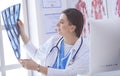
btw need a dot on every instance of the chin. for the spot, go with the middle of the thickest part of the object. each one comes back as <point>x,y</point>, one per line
<point>60,33</point>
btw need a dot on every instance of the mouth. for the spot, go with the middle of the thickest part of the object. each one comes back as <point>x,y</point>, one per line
<point>57,29</point>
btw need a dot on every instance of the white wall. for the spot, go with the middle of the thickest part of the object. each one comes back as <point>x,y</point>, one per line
<point>33,24</point>
<point>36,22</point>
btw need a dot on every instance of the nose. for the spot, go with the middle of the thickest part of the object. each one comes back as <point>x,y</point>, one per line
<point>58,24</point>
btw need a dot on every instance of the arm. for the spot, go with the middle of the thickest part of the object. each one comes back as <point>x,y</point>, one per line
<point>22,32</point>
<point>80,66</point>
<point>71,70</point>
<point>28,63</point>
<point>30,48</point>
<point>31,65</point>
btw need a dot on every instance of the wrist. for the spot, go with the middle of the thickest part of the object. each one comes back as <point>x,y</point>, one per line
<point>24,38</point>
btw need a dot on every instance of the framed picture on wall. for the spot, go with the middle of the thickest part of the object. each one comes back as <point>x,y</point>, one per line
<point>51,3</point>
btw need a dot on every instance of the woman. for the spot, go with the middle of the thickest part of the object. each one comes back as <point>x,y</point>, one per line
<point>65,54</point>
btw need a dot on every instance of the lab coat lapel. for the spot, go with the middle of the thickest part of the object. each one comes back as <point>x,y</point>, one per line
<point>52,56</point>
<point>74,50</point>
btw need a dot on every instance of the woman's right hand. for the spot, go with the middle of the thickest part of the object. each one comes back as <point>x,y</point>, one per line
<point>21,27</point>
<point>22,32</point>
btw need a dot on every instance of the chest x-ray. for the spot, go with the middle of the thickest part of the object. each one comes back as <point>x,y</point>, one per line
<point>10,17</point>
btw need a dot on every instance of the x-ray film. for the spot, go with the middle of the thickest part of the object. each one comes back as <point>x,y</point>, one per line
<point>10,17</point>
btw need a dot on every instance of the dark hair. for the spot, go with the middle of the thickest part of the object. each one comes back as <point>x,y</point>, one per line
<point>75,17</point>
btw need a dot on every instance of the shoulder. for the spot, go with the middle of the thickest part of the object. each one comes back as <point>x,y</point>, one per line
<point>82,45</point>
<point>50,43</point>
<point>85,44</point>
<point>84,48</point>
<point>83,53</point>
<point>52,40</point>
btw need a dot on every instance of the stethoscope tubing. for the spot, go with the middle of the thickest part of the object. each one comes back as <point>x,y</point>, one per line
<point>78,49</point>
<point>56,46</point>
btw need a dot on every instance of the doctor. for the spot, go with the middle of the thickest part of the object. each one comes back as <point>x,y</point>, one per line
<point>65,54</point>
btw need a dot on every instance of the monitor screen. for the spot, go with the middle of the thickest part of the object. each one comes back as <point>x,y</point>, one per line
<point>104,45</point>
<point>10,16</point>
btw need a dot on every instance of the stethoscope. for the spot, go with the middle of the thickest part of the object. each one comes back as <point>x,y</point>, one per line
<point>73,58</point>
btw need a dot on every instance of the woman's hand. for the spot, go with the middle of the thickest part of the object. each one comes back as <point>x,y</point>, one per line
<point>32,65</point>
<point>22,32</point>
<point>21,27</point>
<point>28,64</point>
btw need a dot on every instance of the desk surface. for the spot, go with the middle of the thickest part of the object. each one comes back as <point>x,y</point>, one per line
<point>111,73</point>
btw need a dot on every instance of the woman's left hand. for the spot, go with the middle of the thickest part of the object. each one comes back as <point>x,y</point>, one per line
<point>28,64</point>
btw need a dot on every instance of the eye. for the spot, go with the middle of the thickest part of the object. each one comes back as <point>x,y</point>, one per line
<point>61,22</point>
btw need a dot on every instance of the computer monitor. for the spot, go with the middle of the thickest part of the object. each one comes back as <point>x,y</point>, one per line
<point>104,45</point>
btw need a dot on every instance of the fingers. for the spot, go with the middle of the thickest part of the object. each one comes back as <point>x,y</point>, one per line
<point>20,24</point>
<point>21,27</point>
<point>28,64</point>
<point>23,62</point>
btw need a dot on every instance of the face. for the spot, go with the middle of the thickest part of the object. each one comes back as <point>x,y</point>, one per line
<point>64,28</point>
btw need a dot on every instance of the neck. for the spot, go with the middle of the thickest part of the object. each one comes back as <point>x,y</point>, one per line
<point>70,40</point>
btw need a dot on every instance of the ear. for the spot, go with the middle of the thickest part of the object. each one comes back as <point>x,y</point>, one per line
<point>72,28</point>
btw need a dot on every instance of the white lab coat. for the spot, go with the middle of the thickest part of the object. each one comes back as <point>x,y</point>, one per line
<point>79,66</point>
